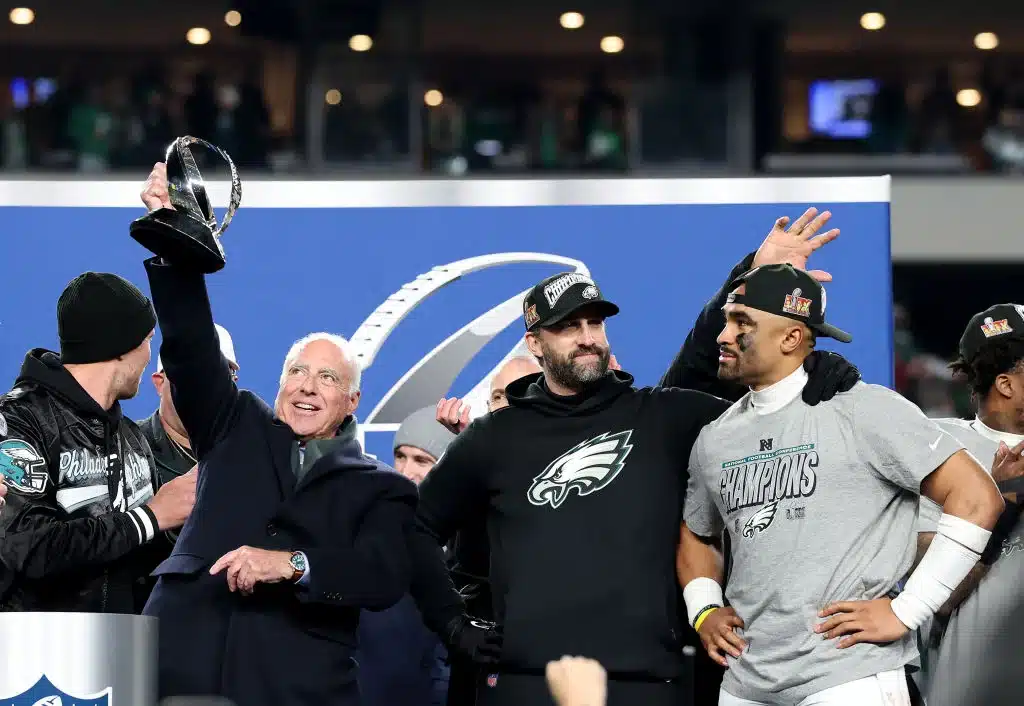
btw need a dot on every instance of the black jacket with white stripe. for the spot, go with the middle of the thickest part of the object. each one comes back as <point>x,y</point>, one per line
<point>78,477</point>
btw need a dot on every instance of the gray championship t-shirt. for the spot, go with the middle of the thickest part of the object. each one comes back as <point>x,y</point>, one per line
<point>820,504</point>
<point>966,641</point>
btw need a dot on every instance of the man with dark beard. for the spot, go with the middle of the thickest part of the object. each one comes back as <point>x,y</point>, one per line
<point>581,481</point>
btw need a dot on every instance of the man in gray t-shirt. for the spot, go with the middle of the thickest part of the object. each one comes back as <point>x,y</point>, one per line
<point>991,357</point>
<point>820,504</point>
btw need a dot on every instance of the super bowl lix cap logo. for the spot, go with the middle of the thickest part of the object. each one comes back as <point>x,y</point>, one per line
<point>531,315</point>
<point>796,304</point>
<point>995,328</point>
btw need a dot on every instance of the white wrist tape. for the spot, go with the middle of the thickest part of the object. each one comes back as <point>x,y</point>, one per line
<point>699,594</point>
<point>954,551</point>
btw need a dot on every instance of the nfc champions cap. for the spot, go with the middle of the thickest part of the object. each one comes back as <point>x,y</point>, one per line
<point>559,296</point>
<point>786,291</point>
<point>1002,322</point>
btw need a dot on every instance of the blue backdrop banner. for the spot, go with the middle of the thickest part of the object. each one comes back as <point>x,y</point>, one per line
<point>426,278</point>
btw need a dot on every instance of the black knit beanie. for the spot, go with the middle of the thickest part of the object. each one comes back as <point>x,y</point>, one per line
<point>100,317</point>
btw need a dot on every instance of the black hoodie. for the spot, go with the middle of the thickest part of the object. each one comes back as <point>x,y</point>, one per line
<point>78,478</point>
<point>585,496</point>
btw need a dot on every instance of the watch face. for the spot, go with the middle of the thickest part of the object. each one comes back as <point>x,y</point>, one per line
<point>299,562</point>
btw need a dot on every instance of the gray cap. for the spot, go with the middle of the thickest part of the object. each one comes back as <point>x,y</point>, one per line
<point>422,431</point>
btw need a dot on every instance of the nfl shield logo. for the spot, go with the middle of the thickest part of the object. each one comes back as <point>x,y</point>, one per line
<point>492,680</point>
<point>44,693</point>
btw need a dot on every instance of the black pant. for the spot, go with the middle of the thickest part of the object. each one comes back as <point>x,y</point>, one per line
<point>462,682</point>
<point>529,690</point>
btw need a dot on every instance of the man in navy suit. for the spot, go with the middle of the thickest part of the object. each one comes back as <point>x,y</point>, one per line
<point>294,529</point>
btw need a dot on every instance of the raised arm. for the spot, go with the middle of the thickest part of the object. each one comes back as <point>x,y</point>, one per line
<point>696,365</point>
<point>202,387</point>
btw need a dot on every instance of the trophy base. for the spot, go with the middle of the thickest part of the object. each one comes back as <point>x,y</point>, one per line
<point>179,239</point>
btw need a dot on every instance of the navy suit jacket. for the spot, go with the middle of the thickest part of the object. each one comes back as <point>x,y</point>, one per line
<point>284,644</point>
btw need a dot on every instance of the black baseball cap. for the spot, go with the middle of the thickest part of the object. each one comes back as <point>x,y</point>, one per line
<point>558,296</point>
<point>1002,322</point>
<point>786,291</point>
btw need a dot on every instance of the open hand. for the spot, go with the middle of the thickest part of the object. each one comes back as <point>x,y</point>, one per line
<point>718,633</point>
<point>248,566</point>
<point>795,244</point>
<point>861,621</point>
<point>453,414</point>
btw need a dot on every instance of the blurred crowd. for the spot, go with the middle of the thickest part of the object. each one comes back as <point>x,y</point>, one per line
<point>924,378</point>
<point>96,126</point>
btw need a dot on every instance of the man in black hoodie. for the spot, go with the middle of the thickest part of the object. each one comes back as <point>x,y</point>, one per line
<point>582,479</point>
<point>80,505</point>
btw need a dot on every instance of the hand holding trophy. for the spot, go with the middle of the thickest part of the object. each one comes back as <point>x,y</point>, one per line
<point>188,235</point>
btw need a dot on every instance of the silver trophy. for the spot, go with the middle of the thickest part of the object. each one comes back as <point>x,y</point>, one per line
<point>188,235</point>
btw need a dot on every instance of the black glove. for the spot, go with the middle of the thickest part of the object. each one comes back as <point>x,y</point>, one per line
<point>478,640</point>
<point>828,373</point>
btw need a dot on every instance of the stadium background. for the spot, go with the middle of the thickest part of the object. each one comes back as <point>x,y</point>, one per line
<point>931,93</point>
<point>334,91</point>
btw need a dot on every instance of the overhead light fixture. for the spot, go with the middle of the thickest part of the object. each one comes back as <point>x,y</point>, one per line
<point>433,98</point>
<point>332,97</point>
<point>986,41</point>
<point>198,35</point>
<point>232,18</point>
<point>571,20</point>
<point>360,42</point>
<point>968,97</point>
<point>22,16</point>
<point>872,21</point>
<point>612,44</point>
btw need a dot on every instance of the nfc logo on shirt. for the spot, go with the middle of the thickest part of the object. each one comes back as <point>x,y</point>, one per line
<point>766,444</point>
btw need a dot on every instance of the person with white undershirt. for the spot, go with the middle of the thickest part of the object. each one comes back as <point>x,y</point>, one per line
<point>991,358</point>
<point>820,505</point>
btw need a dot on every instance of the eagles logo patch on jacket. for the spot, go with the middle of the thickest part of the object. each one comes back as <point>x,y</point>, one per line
<point>78,478</point>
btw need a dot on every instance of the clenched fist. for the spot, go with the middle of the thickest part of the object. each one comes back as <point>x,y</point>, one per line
<point>154,191</point>
<point>577,681</point>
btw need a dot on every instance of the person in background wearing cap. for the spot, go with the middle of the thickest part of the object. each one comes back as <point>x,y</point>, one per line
<point>80,506</point>
<point>820,504</point>
<point>991,358</point>
<point>172,453</point>
<point>401,661</point>
<point>581,480</point>
<point>163,429</point>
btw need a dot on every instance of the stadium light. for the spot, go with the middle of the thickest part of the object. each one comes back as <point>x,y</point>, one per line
<point>872,21</point>
<point>232,18</point>
<point>198,35</point>
<point>986,41</point>
<point>968,97</point>
<point>433,98</point>
<point>332,97</point>
<point>571,20</point>
<point>22,16</point>
<point>612,44</point>
<point>360,42</point>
